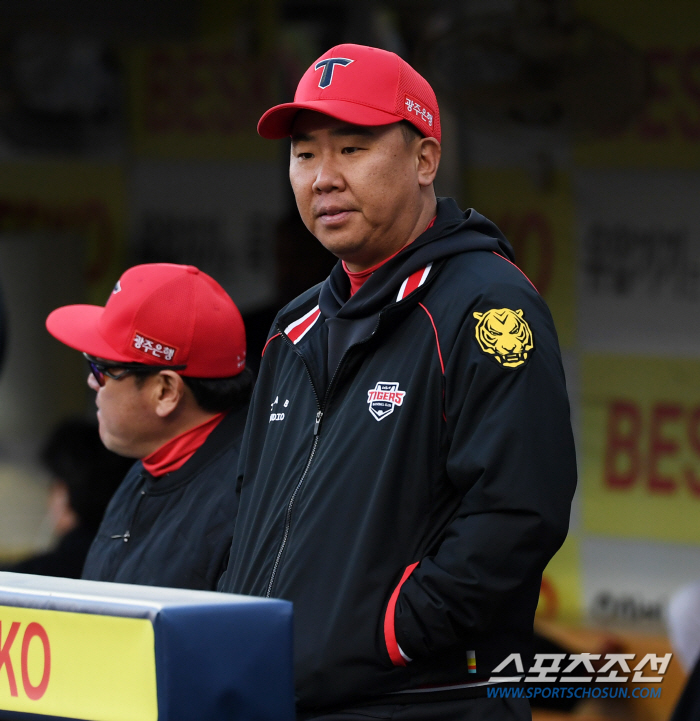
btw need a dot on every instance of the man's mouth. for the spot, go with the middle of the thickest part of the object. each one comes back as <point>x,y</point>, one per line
<point>334,216</point>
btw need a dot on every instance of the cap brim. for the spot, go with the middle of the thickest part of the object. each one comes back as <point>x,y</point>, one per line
<point>77,327</point>
<point>277,122</point>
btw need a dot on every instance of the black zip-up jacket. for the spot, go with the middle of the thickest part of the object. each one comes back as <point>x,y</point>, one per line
<point>423,421</point>
<point>174,530</point>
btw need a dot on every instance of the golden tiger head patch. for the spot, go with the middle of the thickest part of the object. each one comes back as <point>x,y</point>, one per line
<point>504,335</point>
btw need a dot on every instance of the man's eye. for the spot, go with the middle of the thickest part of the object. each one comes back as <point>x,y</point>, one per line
<point>305,156</point>
<point>350,150</point>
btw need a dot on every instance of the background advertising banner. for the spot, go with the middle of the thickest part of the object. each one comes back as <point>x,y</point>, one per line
<point>639,261</point>
<point>201,99</point>
<point>70,198</point>
<point>667,132</point>
<point>641,447</point>
<point>561,593</point>
<point>220,217</point>
<point>628,581</point>
<point>538,222</point>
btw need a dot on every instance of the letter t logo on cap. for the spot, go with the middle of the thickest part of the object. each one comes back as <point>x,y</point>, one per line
<point>328,64</point>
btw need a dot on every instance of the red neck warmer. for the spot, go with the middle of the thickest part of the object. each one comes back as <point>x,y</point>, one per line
<point>359,278</point>
<point>177,451</point>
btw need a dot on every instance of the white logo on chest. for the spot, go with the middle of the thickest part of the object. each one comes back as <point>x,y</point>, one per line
<point>277,416</point>
<point>383,398</point>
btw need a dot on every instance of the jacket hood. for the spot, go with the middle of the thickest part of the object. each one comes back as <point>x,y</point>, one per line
<point>453,232</point>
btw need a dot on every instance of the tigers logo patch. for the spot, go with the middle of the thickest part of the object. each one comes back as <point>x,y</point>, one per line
<point>504,335</point>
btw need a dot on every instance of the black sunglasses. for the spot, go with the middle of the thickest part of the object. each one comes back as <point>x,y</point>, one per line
<point>101,370</point>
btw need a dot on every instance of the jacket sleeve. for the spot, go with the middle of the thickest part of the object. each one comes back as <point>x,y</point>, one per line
<point>511,458</point>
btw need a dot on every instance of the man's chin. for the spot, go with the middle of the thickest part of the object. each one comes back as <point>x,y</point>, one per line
<point>343,245</point>
<point>112,444</point>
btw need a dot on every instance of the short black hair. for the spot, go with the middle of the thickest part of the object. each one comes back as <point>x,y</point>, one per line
<point>216,395</point>
<point>410,131</point>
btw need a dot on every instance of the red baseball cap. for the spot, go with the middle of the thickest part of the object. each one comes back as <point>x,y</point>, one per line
<point>160,314</point>
<point>362,86</point>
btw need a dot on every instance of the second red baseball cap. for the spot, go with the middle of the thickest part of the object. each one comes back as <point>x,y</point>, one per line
<point>160,314</point>
<point>360,85</point>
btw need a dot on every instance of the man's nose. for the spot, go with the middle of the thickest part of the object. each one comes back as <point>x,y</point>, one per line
<point>92,382</point>
<point>328,177</point>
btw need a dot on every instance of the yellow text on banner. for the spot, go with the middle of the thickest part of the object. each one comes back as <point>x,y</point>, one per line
<point>77,665</point>
<point>641,447</point>
<point>538,222</point>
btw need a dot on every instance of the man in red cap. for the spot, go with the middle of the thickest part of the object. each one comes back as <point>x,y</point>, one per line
<point>167,362</point>
<point>408,465</point>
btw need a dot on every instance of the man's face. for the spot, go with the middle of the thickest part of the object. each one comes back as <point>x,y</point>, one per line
<point>125,414</point>
<point>356,187</point>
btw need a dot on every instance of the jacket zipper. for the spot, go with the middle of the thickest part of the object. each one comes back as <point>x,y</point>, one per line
<point>317,430</point>
<point>127,534</point>
<point>124,536</point>
<point>290,505</point>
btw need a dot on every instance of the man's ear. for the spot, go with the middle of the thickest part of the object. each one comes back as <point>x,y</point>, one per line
<point>428,153</point>
<point>168,392</point>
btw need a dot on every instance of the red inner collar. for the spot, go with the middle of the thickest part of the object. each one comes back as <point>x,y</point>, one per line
<point>359,278</point>
<point>177,451</point>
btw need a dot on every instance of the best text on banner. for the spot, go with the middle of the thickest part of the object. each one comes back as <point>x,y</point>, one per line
<point>666,132</point>
<point>641,447</point>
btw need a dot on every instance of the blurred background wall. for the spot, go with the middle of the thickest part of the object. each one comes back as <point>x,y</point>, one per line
<point>127,134</point>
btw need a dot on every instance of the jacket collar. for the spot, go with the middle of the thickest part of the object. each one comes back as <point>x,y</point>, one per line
<point>218,441</point>
<point>453,232</point>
